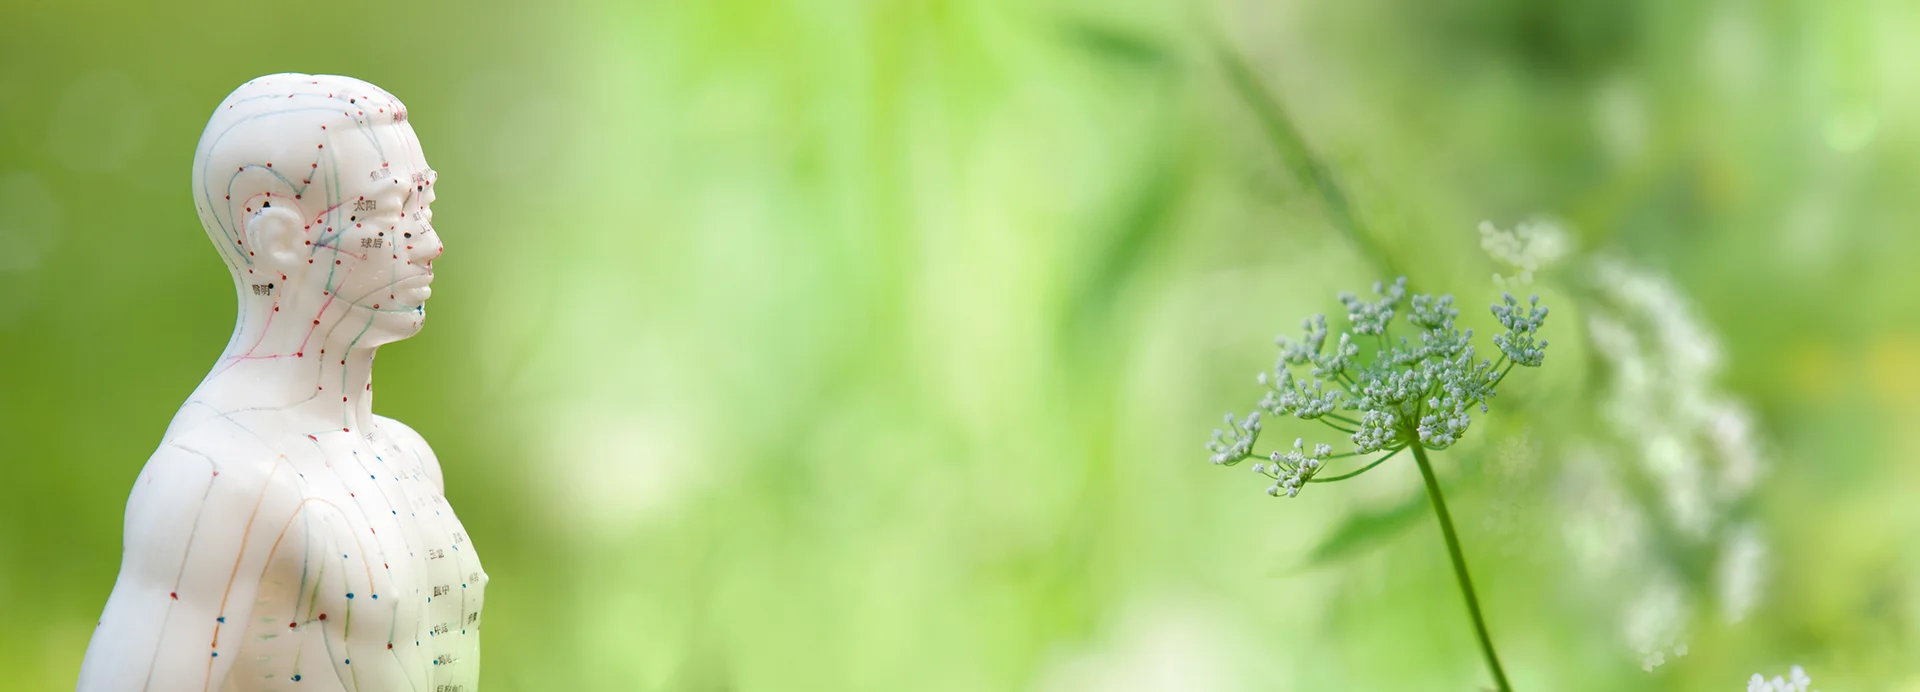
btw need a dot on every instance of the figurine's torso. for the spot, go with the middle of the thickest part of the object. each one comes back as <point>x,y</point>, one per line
<point>387,580</point>
<point>282,537</point>
<point>349,570</point>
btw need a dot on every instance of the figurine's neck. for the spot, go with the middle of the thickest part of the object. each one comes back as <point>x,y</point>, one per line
<point>311,358</point>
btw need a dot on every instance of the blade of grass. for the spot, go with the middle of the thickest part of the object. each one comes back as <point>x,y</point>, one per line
<point>1294,152</point>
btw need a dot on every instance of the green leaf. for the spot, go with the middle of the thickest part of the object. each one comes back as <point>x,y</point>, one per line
<point>1367,529</point>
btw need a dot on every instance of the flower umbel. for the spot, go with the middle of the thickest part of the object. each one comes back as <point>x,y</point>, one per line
<point>1404,394</point>
<point>1398,394</point>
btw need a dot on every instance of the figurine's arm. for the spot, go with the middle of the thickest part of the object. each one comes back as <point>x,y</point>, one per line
<point>199,534</point>
<point>415,447</point>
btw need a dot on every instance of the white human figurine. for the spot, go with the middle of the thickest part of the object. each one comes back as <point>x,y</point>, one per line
<point>283,537</point>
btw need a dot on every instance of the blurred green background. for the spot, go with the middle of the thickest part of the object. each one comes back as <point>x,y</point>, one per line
<point>872,345</point>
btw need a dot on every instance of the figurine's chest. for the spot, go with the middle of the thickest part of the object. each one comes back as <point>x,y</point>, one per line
<point>388,571</point>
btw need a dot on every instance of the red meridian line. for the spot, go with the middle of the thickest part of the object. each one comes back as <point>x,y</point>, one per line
<point>250,200</point>
<point>344,251</point>
<point>235,360</point>
<point>326,211</point>
<point>263,334</point>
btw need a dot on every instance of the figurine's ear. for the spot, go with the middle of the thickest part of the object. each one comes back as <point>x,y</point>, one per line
<point>273,235</point>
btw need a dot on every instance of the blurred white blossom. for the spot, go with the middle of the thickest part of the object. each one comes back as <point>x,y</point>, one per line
<point>1796,680</point>
<point>1677,458</point>
<point>1621,117</point>
<point>1688,443</point>
<point>1529,247</point>
<point>1656,621</point>
<point>1743,566</point>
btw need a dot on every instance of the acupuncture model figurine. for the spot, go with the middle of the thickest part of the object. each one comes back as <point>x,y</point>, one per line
<point>283,537</point>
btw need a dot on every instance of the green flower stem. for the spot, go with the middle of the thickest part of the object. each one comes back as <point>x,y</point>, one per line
<point>1363,469</point>
<point>1460,568</point>
<point>1343,419</point>
<point>1335,426</point>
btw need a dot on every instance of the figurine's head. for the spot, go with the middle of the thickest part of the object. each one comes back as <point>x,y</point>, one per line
<point>315,191</point>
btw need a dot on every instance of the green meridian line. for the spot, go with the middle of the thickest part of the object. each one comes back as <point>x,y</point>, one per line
<point>314,600</point>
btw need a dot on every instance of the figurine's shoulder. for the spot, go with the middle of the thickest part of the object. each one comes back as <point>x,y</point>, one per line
<point>238,434</point>
<point>397,431</point>
<point>186,478</point>
<point>217,449</point>
<point>409,443</point>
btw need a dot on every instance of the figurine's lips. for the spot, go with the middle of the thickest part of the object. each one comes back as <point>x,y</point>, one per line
<point>420,281</point>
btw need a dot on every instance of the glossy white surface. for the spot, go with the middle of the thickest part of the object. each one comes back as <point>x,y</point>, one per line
<point>283,537</point>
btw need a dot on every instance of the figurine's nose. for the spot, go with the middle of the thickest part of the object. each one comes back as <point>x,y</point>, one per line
<point>427,247</point>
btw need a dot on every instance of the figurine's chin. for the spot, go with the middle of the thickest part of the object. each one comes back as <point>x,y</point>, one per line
<point>393,325</point>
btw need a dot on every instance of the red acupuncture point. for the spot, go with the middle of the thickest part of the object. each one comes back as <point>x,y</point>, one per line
<point>175,595</point>
<point>323,616</point>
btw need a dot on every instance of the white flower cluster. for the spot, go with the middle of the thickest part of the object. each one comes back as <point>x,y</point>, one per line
<point>1404,394</point>
<point>1284,395</point>
<point>1796,680</point>
<point>1235,443</point>
<point>1379,429</point>
<point>1522,326</point>
<point>1307,348</point>
<point>1371,317</point>
<point>1527,248</point>
<point>1294,467</point>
